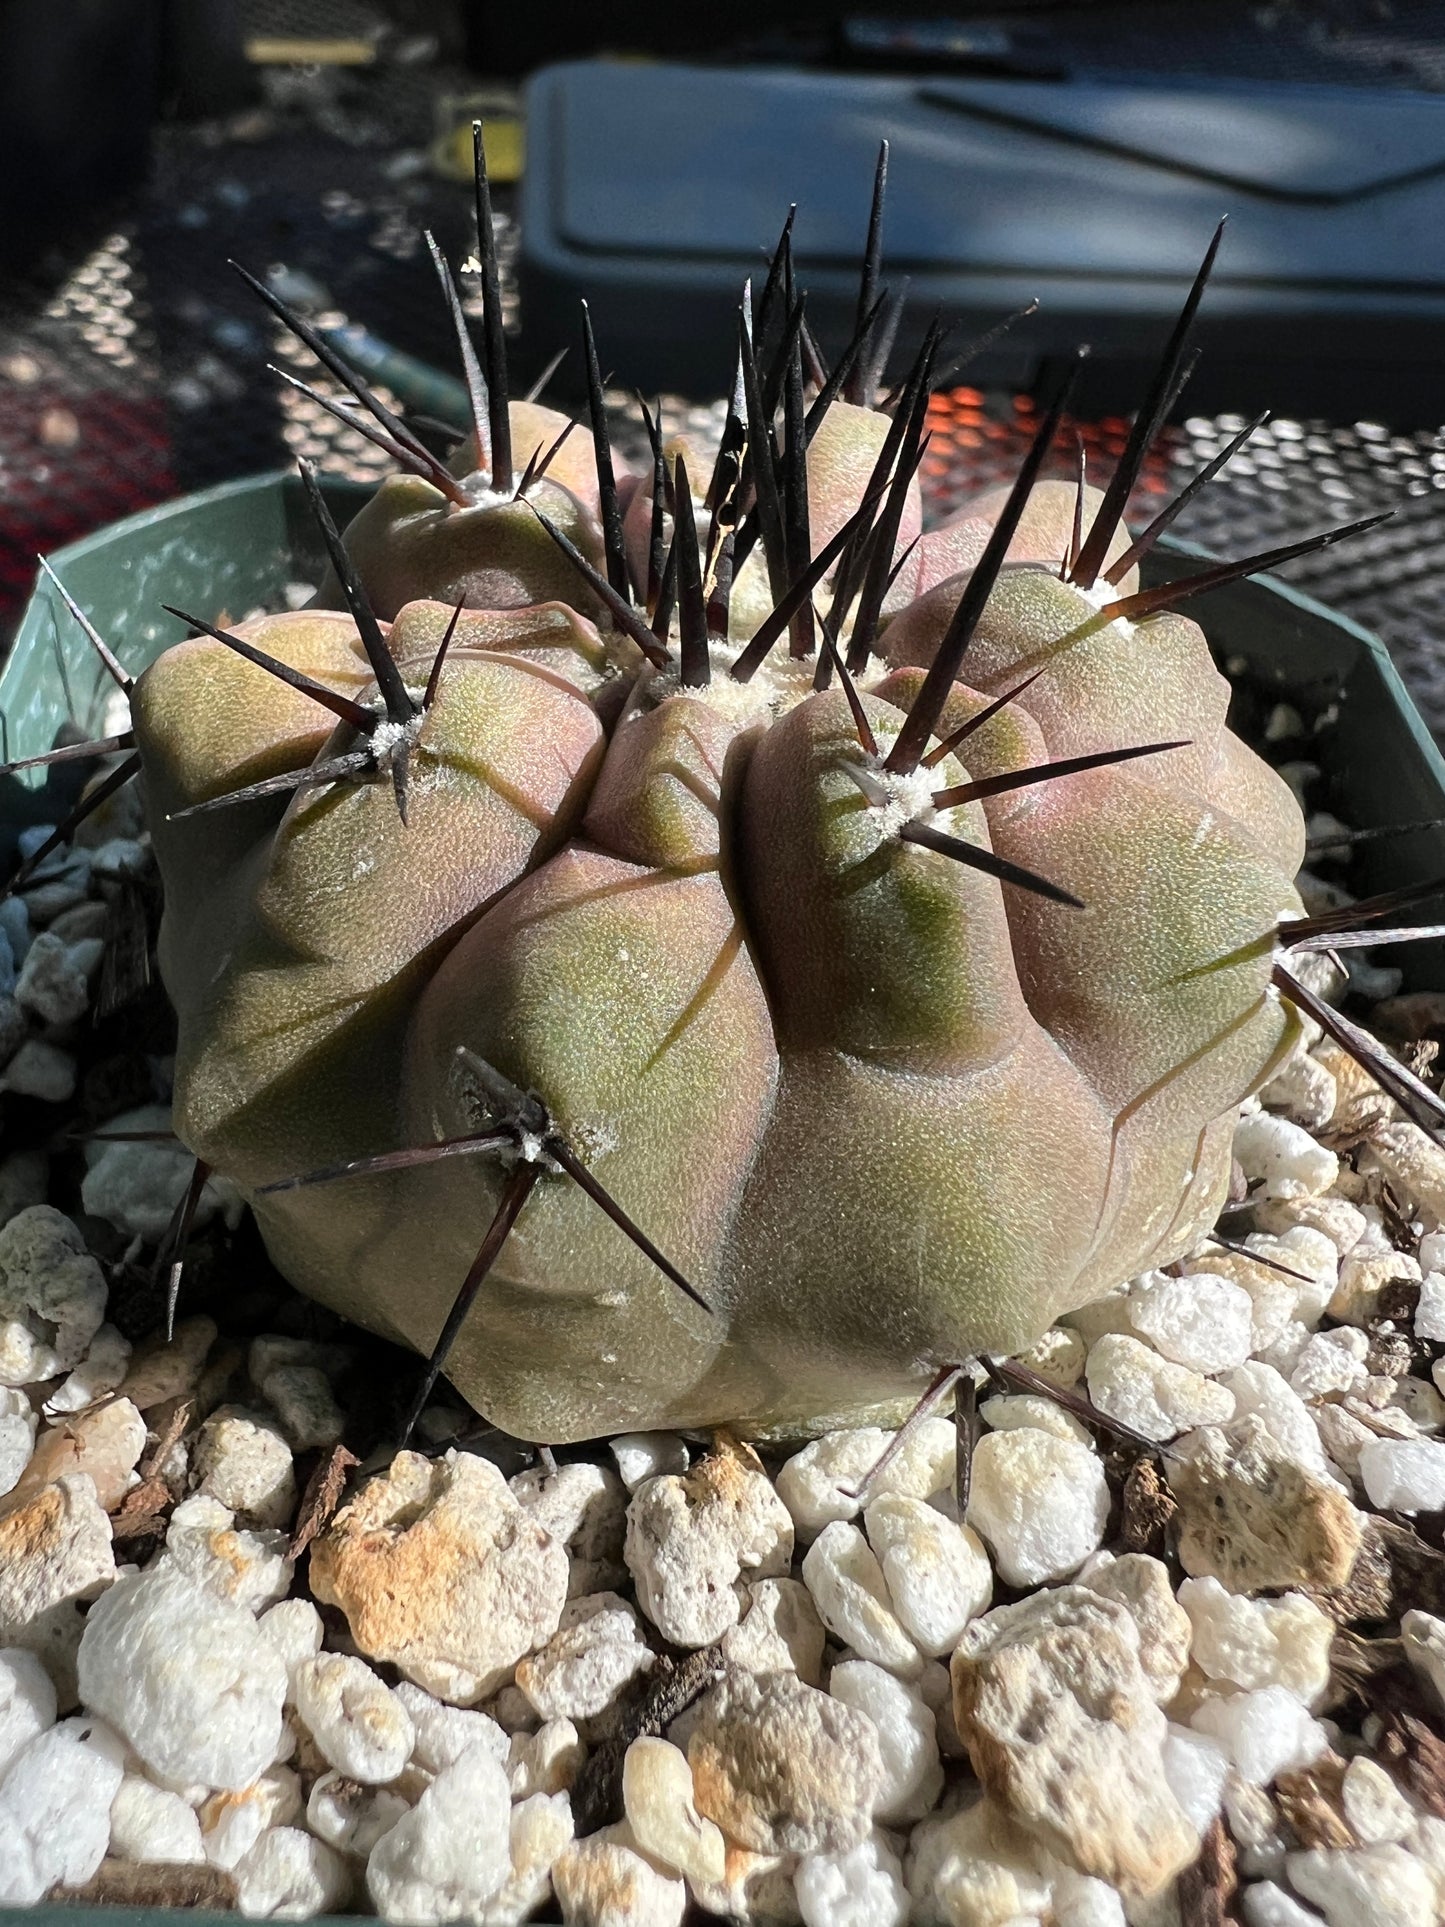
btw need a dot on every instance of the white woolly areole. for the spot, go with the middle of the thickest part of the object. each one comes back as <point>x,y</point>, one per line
<point>389,739</point>
<point>779,684</point>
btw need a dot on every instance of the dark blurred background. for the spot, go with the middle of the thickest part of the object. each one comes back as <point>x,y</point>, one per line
<point>141,143</point>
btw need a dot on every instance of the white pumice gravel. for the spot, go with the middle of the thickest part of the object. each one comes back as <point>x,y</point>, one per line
<point>936,1573</point>
<point>55,1802</point>
<point>1132,1383</point>
<point>689,1540</point>
<point>186,1677</point>
<point>907,1738</point>
<point>148,1824</point>
<point>1404,1475</point>
<point>27,1703</point>
<point>823,1482</point>
<point>452,1851</point>
<point>1266,1732</point>
<point>657,1798</point>
<point>290,1875</point>
<point>1041,1503</point>
<point>851,1594</point>
<point>861,1888</point>
<point>1203,1321</point>
<point>360,1726</point>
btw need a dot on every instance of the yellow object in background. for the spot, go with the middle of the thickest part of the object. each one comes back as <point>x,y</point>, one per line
<point>503,136</point>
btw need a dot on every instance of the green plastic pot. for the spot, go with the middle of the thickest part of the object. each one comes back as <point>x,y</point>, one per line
<point>233,548</point>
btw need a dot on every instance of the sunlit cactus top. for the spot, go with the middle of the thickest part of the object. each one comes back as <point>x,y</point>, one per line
<point>686,948</point>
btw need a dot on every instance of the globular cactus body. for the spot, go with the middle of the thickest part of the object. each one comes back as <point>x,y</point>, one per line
<point>893,1061</point>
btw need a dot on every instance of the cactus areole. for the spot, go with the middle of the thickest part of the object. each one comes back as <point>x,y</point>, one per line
<point>686,948</point>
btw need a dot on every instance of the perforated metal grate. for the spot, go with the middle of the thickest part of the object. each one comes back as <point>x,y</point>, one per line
<point>132,363</point>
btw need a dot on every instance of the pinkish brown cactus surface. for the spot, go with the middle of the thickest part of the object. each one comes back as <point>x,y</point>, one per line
<point>799,1002</point>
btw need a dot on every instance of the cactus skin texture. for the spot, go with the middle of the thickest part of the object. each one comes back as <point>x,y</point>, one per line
<point>881,1110</point>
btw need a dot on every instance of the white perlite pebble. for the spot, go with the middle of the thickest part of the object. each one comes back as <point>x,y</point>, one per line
<point>242,1460</point>
<point>1331,1362</point>
<point>186,1677</point>
<point>1281,1160</point>
<point>1204,1322</point>
<point>604,1881</point>
<point>232,1823</point>
<point>823,1482</point>
<point>359,1724</point>
<point>1133,1384</point>
<point>305,1404</point>
<point>52,1296</point>
<point>351,1817</point>
<point>780,1631</point>
<point>135,1186</point>
<point>596,1652</point>
<point>54,980</point>
<point>55,1810</point>
<point>1423,1636</point>
<point>657,1799</point>
<point>1062,1728</point>
<point>290,1875</point>
<point>975,1868</point>
<point>40,1069</point>
<point>1375,1887</point>
<point>1377,1812</point>
<point>648,1455</point>
<point>1266,1905</point>
<point>17,1435</point>
<point>55,1553</point>
<point>937,1573</point>
<point>907,1738</point>
<point>547,1761</point>
<point>851,1594</point>
<point>249,1569</point>
<point>1404,1475</point>
<point>1260,1392</point>
<point>294,1628</point>
<point>101,1370</point>
<point>1196,1768</point>
<point>1040,1502</point>
<point>584,1506</point>
<point>1430,1310</point>
<point>689,1540</point>
<point>1255,1643</point>
<point>861,1888</point>
<point>149,1824</point>
<point>1011,1410</point>
<point>1266,1732</point>
<point>452,1851</point>
<point>27,1703</point>
<point>445,1733</point>
<point>541,1829</point>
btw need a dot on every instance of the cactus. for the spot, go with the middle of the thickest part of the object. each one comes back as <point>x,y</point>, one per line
<point>813,952</point>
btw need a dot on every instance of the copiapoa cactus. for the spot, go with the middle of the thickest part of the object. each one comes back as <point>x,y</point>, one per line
<point>804,951</point>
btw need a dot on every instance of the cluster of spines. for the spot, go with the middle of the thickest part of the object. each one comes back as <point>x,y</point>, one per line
<point>757,493</point>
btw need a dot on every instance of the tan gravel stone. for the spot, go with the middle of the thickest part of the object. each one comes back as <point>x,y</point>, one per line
<point>691,1537</point>
<point>783,1768</point>
<point>658,1799</point>
<point>54,1550</point>
<point>439,1570</point>
<point>1063,1732</point>
<point>604,1882</point>
<point>1254,1518</point>
<point>1141,1586</point>
<point>105,1443</point>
